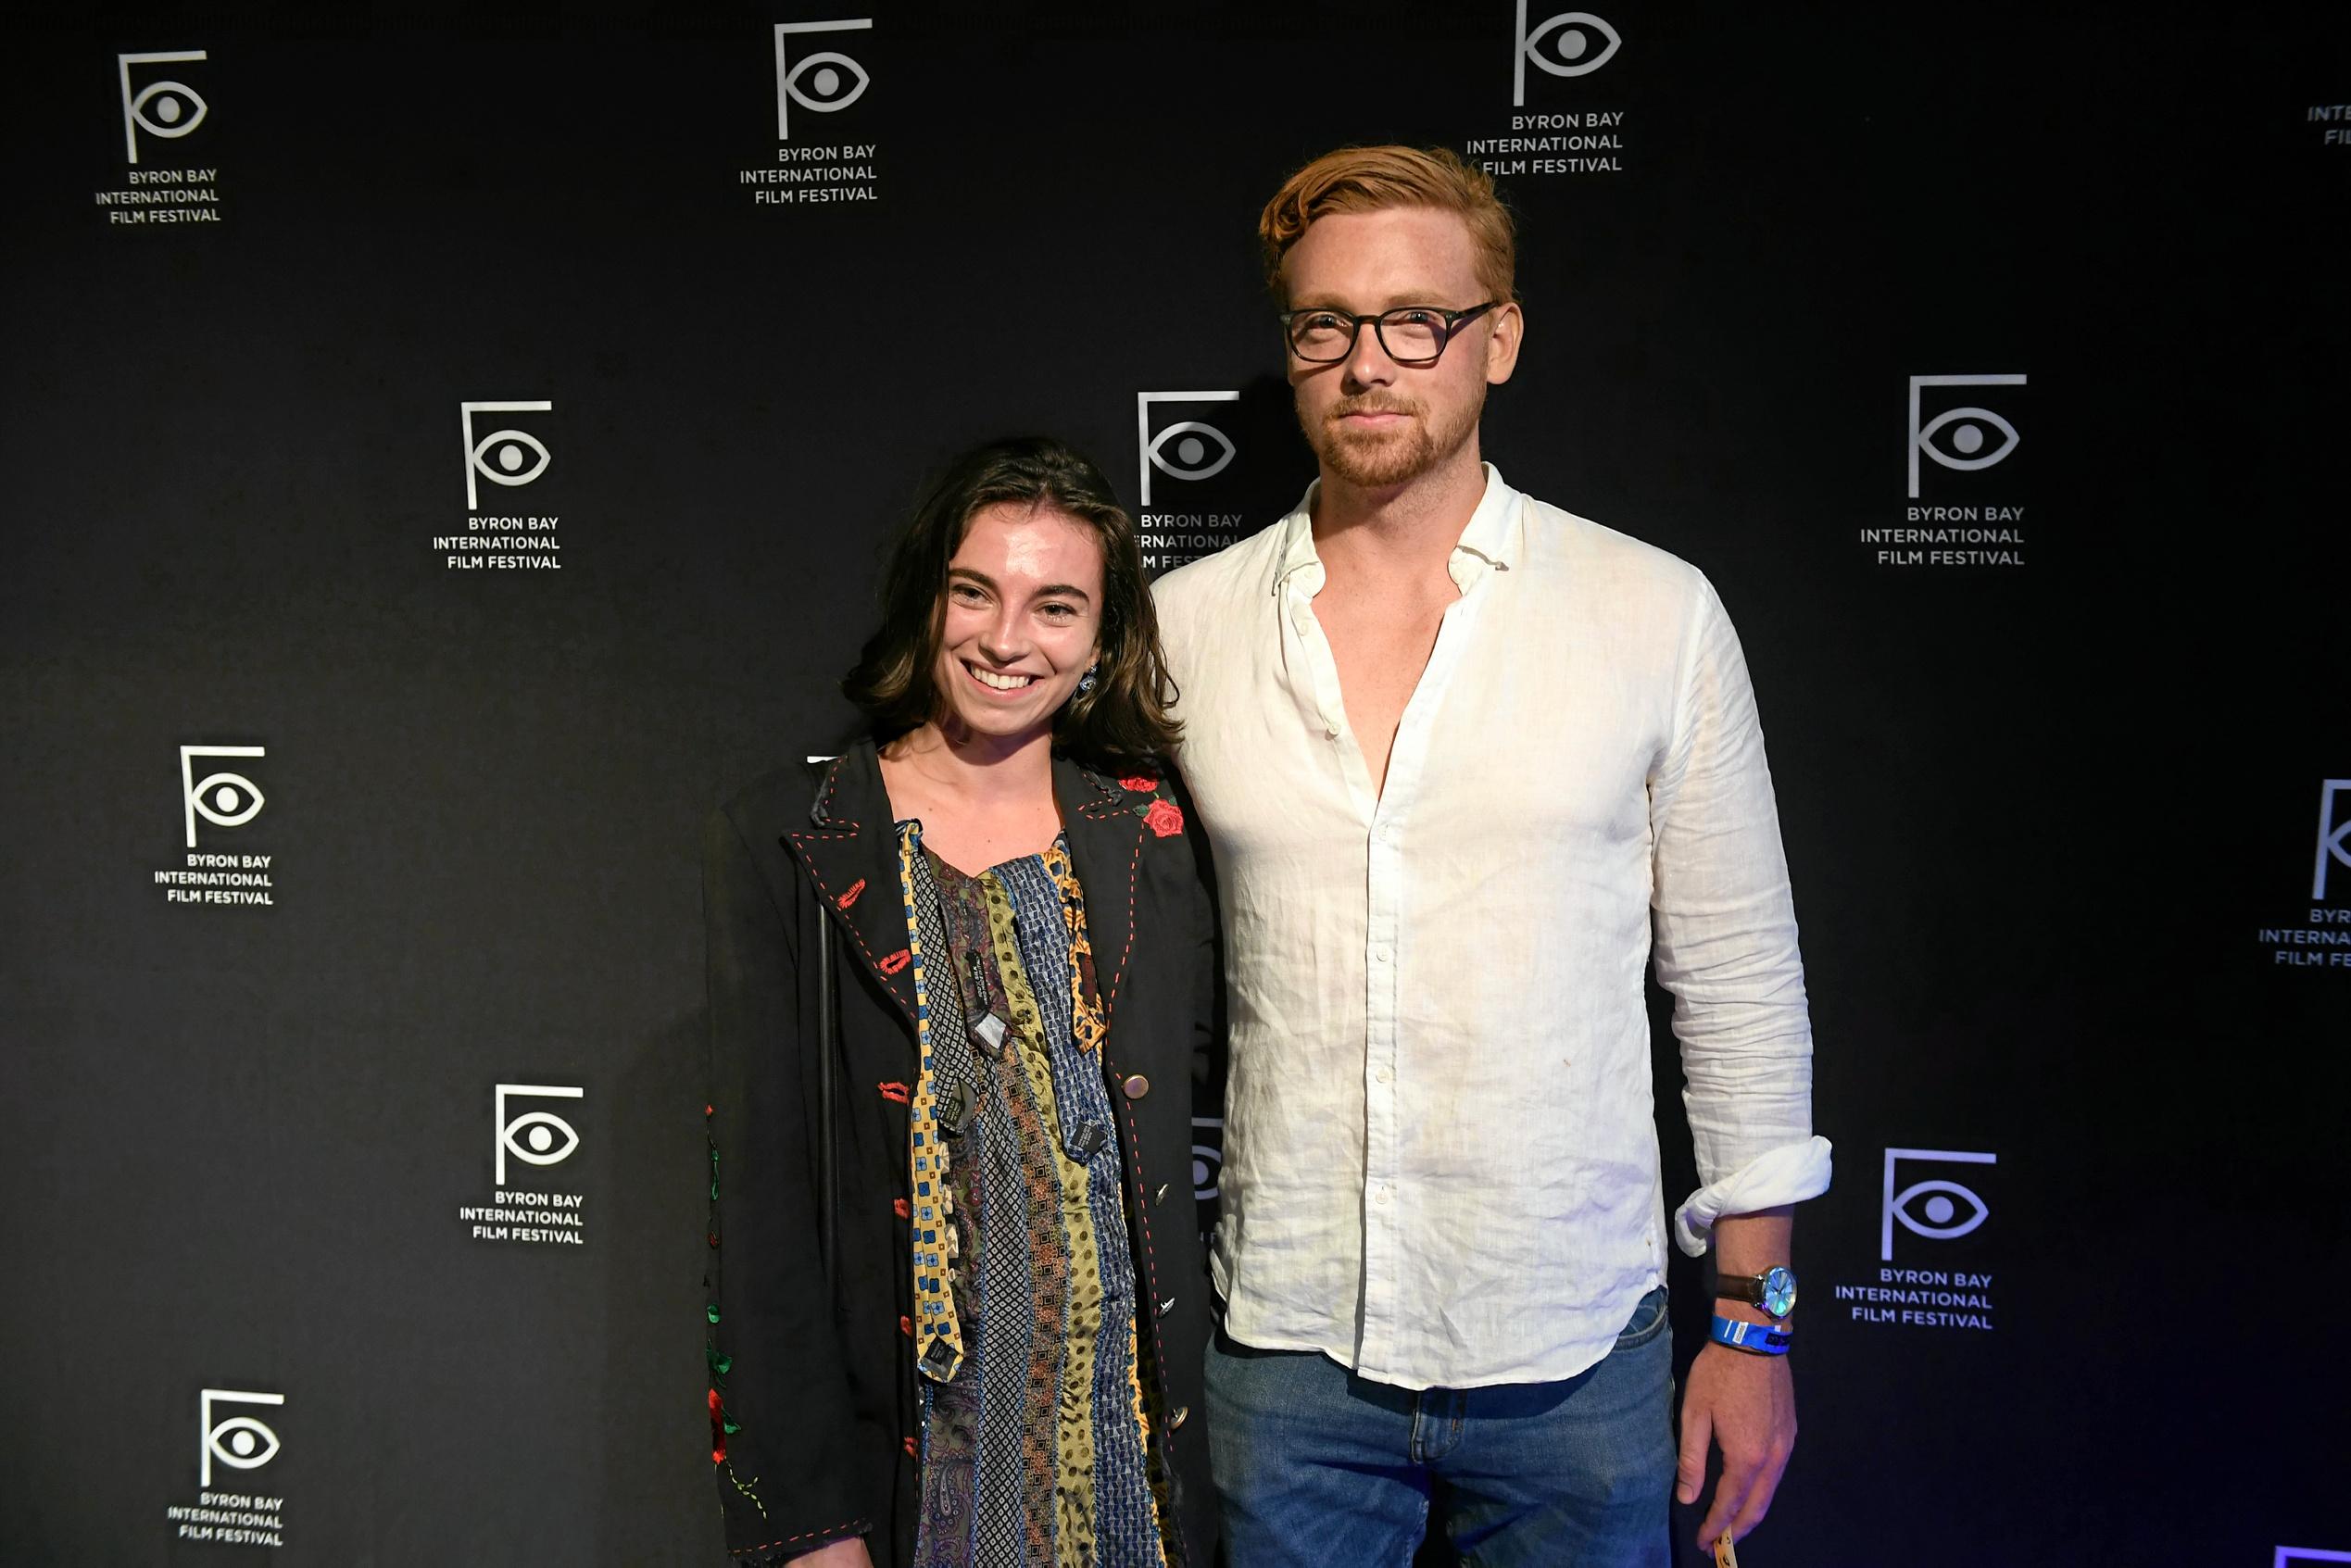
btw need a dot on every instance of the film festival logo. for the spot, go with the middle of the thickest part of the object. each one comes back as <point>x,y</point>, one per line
<point>1964,438</point>
<point>1208,1156</point>
<point>1966,453</point>
<point>2324,941</point>
<point>222,798</point>
<point>828,72</point>
<point>1571,45</point>
<point>2334,834</point>
<point>158,111</point>
<point>509,457</point>
<point>536,1138</point>
<point>241,1442</point>
<point>1186,451</point>
<point>1930,1208</point>
<point>1208,1170</point>
<point>815,77</point>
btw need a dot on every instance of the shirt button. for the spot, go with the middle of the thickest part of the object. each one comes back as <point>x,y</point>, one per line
<point>1384,1075</point>
<point>1380,1197</point>
<point>1137,1086</point>
<point>1379,955</point>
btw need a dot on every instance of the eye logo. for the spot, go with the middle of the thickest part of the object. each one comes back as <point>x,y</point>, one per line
<point>216,795</point>
<point>168,109</point>
<point>240,1442</point>
<point>1208,1158</point>
<point>826,70</point>
<point>1936,1208</point>
<point>2334,839</point>
<point>1966,436</point>
<point>497,456</point>
<point>530,1137</point>
<point>1189,440</point>
<point>1583,43</point>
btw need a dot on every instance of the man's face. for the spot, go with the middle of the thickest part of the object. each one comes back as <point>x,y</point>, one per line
<point>1373,422</point>
<point>1023,608</point>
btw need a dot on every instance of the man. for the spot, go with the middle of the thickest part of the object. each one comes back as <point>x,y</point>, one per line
<point>1459,755</point>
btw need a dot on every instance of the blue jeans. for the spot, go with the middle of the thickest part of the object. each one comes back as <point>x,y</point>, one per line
<point>1315,1467</point>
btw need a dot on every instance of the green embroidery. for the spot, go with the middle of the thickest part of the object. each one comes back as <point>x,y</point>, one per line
<point>747,1491</point>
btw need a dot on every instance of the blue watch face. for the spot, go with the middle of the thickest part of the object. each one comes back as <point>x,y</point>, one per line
<point>1779,1291</point>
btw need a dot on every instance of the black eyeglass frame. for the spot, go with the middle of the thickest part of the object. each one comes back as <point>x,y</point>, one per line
<point>1455,320</point>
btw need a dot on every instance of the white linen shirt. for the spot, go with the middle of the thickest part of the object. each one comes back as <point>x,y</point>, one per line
<point>1441,1154</point>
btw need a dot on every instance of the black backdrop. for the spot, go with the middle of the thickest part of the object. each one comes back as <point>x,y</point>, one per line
<point>2051,816</point>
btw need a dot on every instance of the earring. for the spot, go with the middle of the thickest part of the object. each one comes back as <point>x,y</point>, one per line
<point>1086,682</point>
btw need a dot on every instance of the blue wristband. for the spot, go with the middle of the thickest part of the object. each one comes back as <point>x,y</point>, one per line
<point>1755,1338</point>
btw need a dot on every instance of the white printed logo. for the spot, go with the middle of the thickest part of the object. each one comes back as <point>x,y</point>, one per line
<point>214,797</point>
<point>170,109</point>
<point>1966,434</point>
<point>530,1137</point>
<point>1573,53</point>
<point>2334,839</point>
<point>1208,1158</point>
<point>1189,438</point>
<point>240,1442</point>
<point>497,456</point>
<point>1935,1219</point>
<point>826,70</point>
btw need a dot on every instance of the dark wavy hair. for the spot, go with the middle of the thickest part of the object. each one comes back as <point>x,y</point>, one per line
<point>1124,721</point>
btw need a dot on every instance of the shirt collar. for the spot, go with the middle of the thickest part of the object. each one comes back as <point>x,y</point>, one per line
<point>1492,539</point>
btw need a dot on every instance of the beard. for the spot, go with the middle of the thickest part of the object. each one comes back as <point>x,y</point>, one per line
<point>1381,459</point>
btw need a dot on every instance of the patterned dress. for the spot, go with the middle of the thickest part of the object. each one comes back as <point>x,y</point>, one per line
<point>1038,1445</point>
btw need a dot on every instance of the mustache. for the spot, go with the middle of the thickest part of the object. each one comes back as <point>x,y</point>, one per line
<point>1371,405</point>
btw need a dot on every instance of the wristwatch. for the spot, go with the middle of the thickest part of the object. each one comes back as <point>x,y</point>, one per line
<point>1774,1289</point>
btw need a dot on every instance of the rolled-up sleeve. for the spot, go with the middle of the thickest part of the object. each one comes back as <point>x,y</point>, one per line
<point>1725,943</point>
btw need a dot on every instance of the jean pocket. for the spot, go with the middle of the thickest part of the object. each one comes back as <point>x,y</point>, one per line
<point>1648,1321</point>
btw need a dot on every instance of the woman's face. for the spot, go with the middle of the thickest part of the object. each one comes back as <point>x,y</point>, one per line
<point>1023,611</point>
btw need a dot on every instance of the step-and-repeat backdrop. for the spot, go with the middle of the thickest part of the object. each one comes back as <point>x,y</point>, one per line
<point>443,461</point>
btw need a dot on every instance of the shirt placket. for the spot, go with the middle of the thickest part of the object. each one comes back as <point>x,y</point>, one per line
<point>1323,703</point>
<point>1386,810</point>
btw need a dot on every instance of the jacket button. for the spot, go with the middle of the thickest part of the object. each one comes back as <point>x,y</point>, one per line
<point>1183,1413</point>
<point>1137,1086</point>
<point>1167,1306</point>
<point>1161,1195</point>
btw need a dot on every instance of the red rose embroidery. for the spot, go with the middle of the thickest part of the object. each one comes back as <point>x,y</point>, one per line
<point>1165,818</point>
<point>1139,784</point>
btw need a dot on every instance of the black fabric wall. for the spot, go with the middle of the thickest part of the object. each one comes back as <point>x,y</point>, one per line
<point>2053,735</point>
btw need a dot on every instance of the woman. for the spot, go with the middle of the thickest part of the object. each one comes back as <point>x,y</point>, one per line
<point>1001,1365</point>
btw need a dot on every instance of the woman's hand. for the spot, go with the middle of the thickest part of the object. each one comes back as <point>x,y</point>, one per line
<point>849,1553</point>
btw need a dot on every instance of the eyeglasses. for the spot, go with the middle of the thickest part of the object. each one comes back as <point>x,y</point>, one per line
<point>1410,334</point>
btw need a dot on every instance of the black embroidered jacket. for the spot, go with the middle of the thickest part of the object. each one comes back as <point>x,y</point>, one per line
<point>814,1393</point>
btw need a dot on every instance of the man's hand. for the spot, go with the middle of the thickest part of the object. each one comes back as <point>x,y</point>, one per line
<point>1746,1404</point>
<point>847,1553</point>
